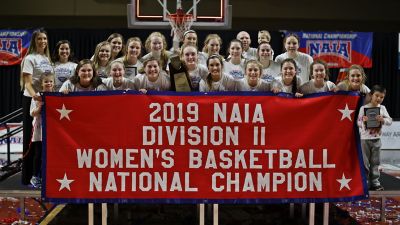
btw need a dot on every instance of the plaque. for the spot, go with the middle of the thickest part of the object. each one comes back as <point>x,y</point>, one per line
<point>179,76</point>
<point>371,113</point>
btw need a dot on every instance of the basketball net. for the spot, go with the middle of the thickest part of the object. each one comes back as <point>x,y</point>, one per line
<point>180,23</point>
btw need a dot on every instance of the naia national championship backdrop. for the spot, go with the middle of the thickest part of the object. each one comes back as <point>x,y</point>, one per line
<point>201,147</point>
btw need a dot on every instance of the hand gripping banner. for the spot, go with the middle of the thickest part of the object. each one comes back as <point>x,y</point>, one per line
<point>201,147</point>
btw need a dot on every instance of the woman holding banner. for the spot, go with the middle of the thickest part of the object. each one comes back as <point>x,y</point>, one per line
<point>36,62</point>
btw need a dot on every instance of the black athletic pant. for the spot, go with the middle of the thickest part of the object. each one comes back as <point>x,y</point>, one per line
<point>27,160</point>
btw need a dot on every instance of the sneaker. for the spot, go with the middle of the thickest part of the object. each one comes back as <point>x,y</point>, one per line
<point>377,188</point>
<point>36,182</point>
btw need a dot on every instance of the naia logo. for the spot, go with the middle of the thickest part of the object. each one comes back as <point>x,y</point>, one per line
<point>337,48</point>
<point>11,46</point>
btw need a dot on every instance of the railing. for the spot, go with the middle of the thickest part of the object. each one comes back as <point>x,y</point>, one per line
<point>6,137</point>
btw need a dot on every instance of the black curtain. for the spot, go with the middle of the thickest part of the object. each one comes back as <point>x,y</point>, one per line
<point>384,55</point>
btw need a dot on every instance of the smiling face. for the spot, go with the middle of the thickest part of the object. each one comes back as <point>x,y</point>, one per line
<point>213,46</point>
<point>355,79</point>
<point>264,51</point>
<point>116,45</point>
<point>117,72</point>
<point>291,44</point>
<point>318,73</point>
<point>190,56</point>
<point>156,44</point>
<point>215,68</point>
<point>41,42</point>
<point>190,39</point>
<point>104,54</point>
<point>85,75</point>
<point>253,73</point>
<point>288,72</point>
<point>48,83</point>
<point>235,50</point>
<point>134,49</point>
<point>152,70</point>
<point>63,52</point>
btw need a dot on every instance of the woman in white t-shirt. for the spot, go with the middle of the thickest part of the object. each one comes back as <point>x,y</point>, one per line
<point>156,46</point>
<point>234,65</point>
<point>289,82</point>
<point>319,74</point>
<point>212,45</point>
<point>303,60</point>
<point>131,60</point>
<point>84,79</point>
<point>216,80</point>
<point>270,68</point>
<point>153,78</point>
<point>117,79</point>
<point>36,62</point>
<point>64,68</point>
<point>196,71</point>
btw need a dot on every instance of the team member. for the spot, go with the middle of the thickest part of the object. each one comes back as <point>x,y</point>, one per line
<point>64,67</point>
<point>212,45</point>
<point>156,46</point>
<point>288,82</point>
<point>252,80</point>
<point>303,61</point>
<point>117,80</point>
<point>319,79</point>
<point>153,78</point>
<point>117,45</point>
<point>84,79</point>
<point>196,71</point>
<point>270,68</point>
<point>131,60</point>
<point>234,66</point>
<point>102,57</point>
<point>36,62</point>
<point>216,80</point>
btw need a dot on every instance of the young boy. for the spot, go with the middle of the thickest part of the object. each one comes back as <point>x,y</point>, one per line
<point>371,137</point>
<point>264,36</point>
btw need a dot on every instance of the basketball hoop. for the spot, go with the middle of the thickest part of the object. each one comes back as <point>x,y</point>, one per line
<point>180,23</point>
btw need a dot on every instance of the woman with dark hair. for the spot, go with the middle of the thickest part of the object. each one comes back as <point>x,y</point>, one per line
<point>289,82</point>
<point>84,79</point>
<point>64,67</point>
<point>36,62</point>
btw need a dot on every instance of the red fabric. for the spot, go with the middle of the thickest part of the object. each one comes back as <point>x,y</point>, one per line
<point>117,121</point>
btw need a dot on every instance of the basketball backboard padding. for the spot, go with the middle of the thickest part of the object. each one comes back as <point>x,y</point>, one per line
<point>153,16</point>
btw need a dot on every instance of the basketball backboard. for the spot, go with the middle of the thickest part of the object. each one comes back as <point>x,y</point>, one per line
<point>207,14</point>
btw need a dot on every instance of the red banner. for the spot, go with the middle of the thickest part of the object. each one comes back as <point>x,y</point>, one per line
<point>14,45</point>
<point>191,148</point>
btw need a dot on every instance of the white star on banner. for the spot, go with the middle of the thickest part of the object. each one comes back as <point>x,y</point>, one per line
<point>65,182</point>
<point>64,112</point>
<point>344,182</point>
<point>346,112</point>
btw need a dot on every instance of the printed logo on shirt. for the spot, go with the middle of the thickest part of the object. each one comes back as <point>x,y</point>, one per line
<point>237,74</point>
<point>268,78</point>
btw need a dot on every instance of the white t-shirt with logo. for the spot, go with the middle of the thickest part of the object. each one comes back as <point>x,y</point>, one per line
<point>36,64</point>
<point>303,62</point>
<point>63,71</point>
